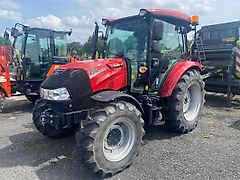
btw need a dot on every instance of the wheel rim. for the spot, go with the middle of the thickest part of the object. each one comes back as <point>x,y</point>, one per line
<point>192,102</point>
<point>118,140</point>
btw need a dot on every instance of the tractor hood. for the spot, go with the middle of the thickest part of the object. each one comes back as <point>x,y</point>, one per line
<point>96,66</point>
<point>104,74</point>
<point>85,78</point>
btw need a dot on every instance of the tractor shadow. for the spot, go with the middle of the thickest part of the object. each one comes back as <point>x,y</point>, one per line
<point>220,101</point>
<point>158,133</point>
<point>17,105</point>
<point>49,159</point>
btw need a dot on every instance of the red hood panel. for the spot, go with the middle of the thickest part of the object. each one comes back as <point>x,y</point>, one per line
<point>89,64</point>
<point>104,74</point>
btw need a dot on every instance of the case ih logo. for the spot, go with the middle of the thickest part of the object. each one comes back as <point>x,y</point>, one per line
<point>93,72</point>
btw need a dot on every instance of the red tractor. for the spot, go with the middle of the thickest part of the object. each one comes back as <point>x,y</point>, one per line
<point>5,84</point>
<point>146,77</point>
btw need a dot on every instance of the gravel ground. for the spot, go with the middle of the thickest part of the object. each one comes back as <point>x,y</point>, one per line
<point>211,151</point>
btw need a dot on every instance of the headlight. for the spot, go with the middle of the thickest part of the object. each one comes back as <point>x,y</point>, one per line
<point>60,94</point>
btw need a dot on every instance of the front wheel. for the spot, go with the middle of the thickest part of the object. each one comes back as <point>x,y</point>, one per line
<point>185,103</point>
<point>111,137</point>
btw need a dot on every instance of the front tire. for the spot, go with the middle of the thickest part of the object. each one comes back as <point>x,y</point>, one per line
<point>185,103</point>
<point>48,130</point>
<point>111,137</point>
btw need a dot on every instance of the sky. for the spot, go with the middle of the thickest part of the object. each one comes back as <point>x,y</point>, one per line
<point>80,15</point>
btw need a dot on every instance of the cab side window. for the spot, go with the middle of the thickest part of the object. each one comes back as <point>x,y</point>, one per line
<point>31,50</point>
<point>172,44</point>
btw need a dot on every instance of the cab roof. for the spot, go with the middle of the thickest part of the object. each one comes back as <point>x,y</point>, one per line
<point>171,16</point>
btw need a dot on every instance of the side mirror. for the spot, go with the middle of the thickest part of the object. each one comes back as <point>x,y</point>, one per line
<point>158,30</point>
<point>156,47</point>
<point>15,33</point>
<point>6,35</point>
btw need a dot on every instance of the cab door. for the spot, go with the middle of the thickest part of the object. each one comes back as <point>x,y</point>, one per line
<point>38,54</point>
<point>166,52</point>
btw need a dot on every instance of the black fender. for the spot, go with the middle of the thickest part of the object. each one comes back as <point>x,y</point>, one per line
<point>107,96</point>
<point>4,91</point>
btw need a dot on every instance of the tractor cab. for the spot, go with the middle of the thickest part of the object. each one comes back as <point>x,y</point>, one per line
<point>151,42</point>
<point>36,50</point>
<point>36,54</point>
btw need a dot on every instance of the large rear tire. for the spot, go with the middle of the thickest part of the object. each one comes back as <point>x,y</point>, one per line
<point>185,103</point>
<point>111,137</point>
<point>48,130</point>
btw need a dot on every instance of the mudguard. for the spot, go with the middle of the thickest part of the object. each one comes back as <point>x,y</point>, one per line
<point>175,74</point>
<point>107,96</point>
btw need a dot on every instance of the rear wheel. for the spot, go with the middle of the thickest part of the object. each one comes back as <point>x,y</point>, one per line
<point>111,137</point>
<point>32,98</point>
<point>185,103</point>
<point>39,120</point>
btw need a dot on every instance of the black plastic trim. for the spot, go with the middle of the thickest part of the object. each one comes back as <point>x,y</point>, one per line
<point>107,96</point>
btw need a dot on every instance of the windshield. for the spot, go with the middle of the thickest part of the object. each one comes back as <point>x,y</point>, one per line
<point>128,38</point>
<point>38,46</point>
<point>38,52</point>
<point>60,40</point>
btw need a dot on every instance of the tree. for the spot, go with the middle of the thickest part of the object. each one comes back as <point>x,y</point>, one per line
<point>75,48</point>
<point>85,49</point>
<point>87,46</point>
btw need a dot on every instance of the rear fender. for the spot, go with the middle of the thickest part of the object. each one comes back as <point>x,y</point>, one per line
<point>107,96</point>
<point>175,74</point>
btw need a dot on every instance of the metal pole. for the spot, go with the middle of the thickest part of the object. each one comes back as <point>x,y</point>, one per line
<point>95,41</point>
